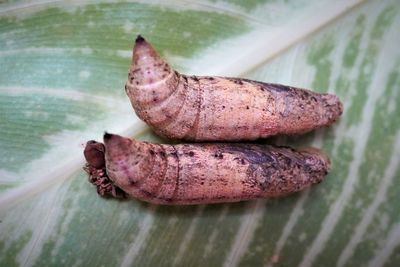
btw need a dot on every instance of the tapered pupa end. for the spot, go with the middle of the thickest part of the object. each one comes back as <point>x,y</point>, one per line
<point>316,163</point>
<point>147,66</point>
<point>107,136</point>
<point>110,141</point>
<point>142,46</point>
<point>139,39</point>
<point>333,108</point>
<point>115,144</point>
<point>324,161</point>
<point>143,51</point>
<point>143,54</point>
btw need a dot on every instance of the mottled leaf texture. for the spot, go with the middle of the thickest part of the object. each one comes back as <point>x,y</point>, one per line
<point>63,67</point>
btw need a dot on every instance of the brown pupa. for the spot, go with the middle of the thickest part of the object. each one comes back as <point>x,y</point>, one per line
<point>188,174</point>
<point>218,108</point>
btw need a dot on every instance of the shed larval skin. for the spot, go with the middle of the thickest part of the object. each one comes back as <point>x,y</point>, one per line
<point>218,108</point>
<point>189,174</point>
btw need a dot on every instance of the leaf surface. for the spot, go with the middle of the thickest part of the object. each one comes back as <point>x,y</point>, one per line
<point>62,73</point>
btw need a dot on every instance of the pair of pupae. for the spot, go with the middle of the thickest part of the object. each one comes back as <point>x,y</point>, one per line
<point>210,109</point>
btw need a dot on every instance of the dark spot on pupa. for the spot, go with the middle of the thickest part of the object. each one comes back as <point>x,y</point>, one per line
<point>147,193</point>
<point>280,87</point>
<point>247,107</point>
<point>223,107</point>
<point>191,153</point>
<point>162,154</point>
<point>287,161</point>
<point>242,161</point>
<point>218,156</point>
<point>202,183</point>
<point>151,152</point>
<point>261,88</point>
<point>165,69</point>
<point>195,78</point>
<point>155,99</point>
<point>210,78</point>
<point>140,39</point>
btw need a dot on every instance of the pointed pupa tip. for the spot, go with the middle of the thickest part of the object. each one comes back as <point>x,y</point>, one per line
<point>140,39</point>
<point>107,136</point>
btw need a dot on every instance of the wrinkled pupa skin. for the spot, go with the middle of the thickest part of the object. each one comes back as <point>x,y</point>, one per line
<point>189,174</point>
<point>217,108</point>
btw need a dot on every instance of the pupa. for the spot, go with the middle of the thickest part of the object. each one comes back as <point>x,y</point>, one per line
<point>200,108</point>
<point>187,174</point>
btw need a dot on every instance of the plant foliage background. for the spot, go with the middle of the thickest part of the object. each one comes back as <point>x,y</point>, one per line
<point>63,67</point>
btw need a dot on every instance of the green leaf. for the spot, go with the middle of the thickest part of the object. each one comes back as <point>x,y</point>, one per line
<point>62,73</point>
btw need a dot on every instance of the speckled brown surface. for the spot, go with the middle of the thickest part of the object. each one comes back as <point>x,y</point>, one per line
<point>209,173</point>
<point>217,108</point>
